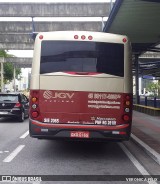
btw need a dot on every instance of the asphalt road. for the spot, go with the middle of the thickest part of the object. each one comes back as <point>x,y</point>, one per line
<point>22,155</point>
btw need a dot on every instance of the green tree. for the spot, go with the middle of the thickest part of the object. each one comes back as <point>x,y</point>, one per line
<point>153,87</point>
<point>9,68</point>
<point>159,88</point>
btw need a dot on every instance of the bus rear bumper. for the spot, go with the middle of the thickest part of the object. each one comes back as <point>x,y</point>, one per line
<point>72,132</point>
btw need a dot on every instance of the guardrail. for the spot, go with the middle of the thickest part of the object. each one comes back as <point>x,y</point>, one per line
<point>148,105</point>
<point>148,101</point>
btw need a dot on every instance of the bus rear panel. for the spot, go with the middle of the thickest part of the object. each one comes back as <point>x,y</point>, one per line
<point>81,88</point>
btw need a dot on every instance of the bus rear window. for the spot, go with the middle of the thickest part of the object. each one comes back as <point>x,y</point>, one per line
<point>77,56</point>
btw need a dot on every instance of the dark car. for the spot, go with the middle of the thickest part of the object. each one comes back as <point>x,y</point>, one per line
<point>14,105</point>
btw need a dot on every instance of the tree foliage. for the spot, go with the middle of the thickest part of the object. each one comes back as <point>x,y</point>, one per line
<point>154,87</point>
<point>9,68</point>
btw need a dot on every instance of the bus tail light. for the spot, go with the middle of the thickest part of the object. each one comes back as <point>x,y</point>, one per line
<point>127,108</point>
<point>34,105</point>
<point>35,114</point>
<point>127,97</point>
<point>127,103</point>
<point>126,117</point>
<point>34,99</point>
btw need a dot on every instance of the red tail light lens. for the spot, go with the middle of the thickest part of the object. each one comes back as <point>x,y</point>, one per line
<point>126,117</point>
<point>18,104</point>
<point>35,114</point>
<point>128,97</point>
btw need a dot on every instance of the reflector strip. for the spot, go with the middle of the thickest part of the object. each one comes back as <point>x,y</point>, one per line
<point>97,127</point>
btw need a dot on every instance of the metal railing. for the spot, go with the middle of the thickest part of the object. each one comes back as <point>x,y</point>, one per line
<point>148,101</point>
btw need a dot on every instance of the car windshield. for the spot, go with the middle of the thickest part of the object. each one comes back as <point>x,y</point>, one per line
<point>11,98</point>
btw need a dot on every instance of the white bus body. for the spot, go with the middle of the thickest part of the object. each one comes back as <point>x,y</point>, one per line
<point>81,86</point>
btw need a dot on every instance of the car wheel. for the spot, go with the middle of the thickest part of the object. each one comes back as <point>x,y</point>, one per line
<point>26,116</point>
<point>21,118</point>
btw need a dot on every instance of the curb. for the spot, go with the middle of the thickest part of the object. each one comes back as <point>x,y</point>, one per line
<point>151,152</point>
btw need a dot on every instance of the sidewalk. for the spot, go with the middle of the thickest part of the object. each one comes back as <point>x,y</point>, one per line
<point>147,129</point>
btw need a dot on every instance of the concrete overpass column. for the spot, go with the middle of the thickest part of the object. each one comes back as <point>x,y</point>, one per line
<point>137,78</point>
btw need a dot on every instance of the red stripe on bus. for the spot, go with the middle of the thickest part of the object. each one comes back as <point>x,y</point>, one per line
<point>81,126</point>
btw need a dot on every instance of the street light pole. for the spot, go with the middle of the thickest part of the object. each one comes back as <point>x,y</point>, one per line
<point>14,77</point>
<point>2,61</point>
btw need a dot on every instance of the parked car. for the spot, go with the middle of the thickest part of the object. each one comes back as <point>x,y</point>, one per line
<point>14,105</point>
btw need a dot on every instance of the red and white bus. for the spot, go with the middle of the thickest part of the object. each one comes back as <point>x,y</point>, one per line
<point>81,86</point>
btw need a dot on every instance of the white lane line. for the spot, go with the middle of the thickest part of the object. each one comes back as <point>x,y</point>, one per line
<point>24,135</point>
<point>141,169</point>
<point>14,153</point>
<point>150,151</point>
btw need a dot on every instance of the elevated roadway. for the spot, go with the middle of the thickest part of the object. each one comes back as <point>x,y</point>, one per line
<point>19,62</point>
<point>54,9</point>
<point>15,35</point>
<point>27,62</point>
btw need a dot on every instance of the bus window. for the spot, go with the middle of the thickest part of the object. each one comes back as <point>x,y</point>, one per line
<point>82,57</point>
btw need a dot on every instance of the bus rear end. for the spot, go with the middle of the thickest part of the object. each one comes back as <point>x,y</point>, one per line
<point>81,86</point>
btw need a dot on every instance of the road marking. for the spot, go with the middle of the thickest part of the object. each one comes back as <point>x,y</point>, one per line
<point>150,151</point>
<point>6,151</point>
<point>141,169</point>
<point>14,154</point>
<point>24,135</point>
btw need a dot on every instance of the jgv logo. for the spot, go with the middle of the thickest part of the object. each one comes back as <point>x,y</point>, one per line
<point>56,95</point>
<point>63,95</point>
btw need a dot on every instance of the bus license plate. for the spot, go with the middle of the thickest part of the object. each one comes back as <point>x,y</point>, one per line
<point>79,134</point>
